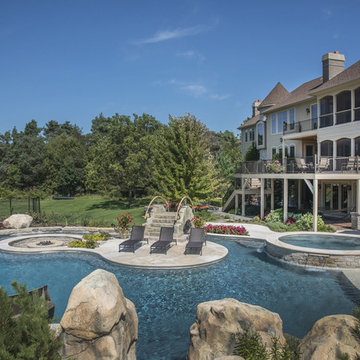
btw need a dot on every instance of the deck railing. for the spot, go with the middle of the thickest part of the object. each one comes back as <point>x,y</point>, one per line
<point>308,164</point>
<point>300,126</point>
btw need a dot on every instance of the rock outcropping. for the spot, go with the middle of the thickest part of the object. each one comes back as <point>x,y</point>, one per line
<point>18,221</point>
<point>99,322</point>
<point>219,323</point>
<point>330,337</point>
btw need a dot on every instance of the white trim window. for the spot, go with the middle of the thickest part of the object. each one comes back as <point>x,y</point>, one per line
<point>282,118</point>
<point>246,136</point>
<point>260,134</point>
<point>357,104</point>
<point>291,119</point>
<point>273,123</point>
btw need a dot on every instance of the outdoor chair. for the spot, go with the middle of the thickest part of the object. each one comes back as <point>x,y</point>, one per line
<point>323,164</point>
<point>350,164</point>
<point>301,165</point>
<point>196,240</point>
<point>165,240</point>
<point>136,237</point>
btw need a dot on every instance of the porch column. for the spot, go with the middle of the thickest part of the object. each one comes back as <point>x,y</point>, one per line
<point>334,155</point>
<point>315,203</point>
<point>242,197</point>
<point>285,201</point>
<point>236,203</point>
<point>262,198</point>
<point>299,193</point>
<point>358,195</point>
<point>272,194</point>
<point>283,152</point>
<point>352,105</point>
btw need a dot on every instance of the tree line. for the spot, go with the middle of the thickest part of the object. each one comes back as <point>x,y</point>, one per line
<point>121,156</point>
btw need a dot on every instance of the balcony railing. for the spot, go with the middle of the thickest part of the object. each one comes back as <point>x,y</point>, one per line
<point>308,164</point>
<point>300,126</point>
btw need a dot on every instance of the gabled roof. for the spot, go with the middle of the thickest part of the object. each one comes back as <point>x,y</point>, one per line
<point>300,94</point>
<point>276,94</point>
<point>250,122</point>
<point>349,74</point>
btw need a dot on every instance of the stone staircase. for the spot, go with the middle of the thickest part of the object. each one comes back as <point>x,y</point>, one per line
<point>158,220</point>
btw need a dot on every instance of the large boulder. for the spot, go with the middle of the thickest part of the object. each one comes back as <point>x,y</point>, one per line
<point>330,337</point>
<point>219,323</point>
<point>99,322</point>
<point>18,221</point>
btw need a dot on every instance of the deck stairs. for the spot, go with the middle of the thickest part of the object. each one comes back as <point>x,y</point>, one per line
<point>252,186</point>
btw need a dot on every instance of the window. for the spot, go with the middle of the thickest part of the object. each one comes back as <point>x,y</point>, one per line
<point>357,104</point>
<point>246,135</point>
<point>357,146</point>
<point>292,151</point>
<point>261,134</point>
<point>343,107</point>
<point>282,118</point>
<point>326,148</point>
<point>273,123</point>
<point>343,148</point>
<point>326,111</point>
<point>292,119</point>
<point>314,116</point>
<point>251,134</point>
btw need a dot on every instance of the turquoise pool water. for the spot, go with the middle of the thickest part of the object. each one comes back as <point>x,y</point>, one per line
<point>329,241</point>
<point>166,300</point>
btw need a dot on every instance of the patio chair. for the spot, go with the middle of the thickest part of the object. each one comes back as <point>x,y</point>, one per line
<point>136,237</point>
<point>350,164</point>
<point>301,165</point>
<point>323,164</point>
<point>165,239</point>
<point>196,240</point>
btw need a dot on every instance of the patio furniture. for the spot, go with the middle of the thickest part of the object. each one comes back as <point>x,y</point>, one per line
<point>323,164</point>
<point>165,239</point>
<point>196,240</point>
<point>136,237</point>
<point>350,164</point>
<point>301,165</point>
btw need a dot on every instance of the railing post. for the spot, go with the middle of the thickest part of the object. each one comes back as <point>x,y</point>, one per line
<point>315,163</point>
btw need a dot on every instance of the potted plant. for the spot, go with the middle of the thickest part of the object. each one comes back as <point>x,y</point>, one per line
<point>124,224</point>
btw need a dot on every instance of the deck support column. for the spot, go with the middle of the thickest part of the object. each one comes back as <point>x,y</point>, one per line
<point>299,193</point>
<point>236,203</point>
<point>262,198</point>
<point>242,197</point>
<point>315,203</point>
<point>285,199</point>
<point>272,194</point>
<point>358,196</point>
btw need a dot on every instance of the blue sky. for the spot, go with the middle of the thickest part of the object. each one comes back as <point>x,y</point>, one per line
<point>70,60</point>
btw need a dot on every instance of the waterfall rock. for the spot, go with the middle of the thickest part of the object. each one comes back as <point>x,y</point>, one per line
<point>18,221</point>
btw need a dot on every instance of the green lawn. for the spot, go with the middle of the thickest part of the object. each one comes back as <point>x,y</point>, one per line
<point>93,210</point>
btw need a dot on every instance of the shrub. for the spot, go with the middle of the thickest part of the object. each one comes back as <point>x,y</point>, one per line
<point>274,216</point>
<point>124,223</point>
<point>306,222</point>
<point>88,244</point>
<point>96,236</point>
<point>226,229</point>
<point>27,335</point>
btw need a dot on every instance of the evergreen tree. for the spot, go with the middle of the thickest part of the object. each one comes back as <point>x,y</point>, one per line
<point>183,162</point>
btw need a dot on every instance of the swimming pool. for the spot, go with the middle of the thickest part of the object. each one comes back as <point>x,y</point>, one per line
<point>166,300</point>
<point>329,241</point>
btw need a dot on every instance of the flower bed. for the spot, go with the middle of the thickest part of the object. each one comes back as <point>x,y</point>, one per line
<point>226,229</point>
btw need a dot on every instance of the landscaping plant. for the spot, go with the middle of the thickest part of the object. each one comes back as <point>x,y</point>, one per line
<point>226,229</point>
<point>124,223</point>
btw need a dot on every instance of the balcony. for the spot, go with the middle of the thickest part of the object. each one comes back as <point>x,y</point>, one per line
<point>298,165</point>
<point>300,126</point>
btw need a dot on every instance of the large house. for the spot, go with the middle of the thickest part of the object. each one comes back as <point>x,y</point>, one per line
<point>314,133</point>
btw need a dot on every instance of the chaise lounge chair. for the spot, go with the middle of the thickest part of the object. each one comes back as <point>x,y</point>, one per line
<point>196,240</point>
<point>165,240</point>
<point>136,237</point>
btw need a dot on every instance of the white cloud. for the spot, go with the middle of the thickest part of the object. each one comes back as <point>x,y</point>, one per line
<point>191,54</point>
<point>195,90</point>
<point>327,12</point>
<point>174,34</point>
<point>219,97</point>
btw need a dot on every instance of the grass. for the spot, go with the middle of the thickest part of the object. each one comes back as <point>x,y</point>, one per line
<point>94,210</point>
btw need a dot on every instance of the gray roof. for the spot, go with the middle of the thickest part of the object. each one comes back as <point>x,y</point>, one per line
<point>274,96</point>
<point>250,122</point>
<point>349,74</point>
<point>300,94</point>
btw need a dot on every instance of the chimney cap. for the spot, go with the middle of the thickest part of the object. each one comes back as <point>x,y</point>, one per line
<point>333,56</point>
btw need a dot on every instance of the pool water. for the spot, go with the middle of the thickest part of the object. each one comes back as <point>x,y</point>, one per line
<point>166,300</point>
<point>330,242</point>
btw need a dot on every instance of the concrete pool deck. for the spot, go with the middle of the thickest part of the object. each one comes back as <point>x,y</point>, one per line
<point>109,250</point>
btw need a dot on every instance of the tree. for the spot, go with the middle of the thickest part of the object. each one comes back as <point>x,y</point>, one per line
<point>183,162</point>
<point>27,335</point>
<point>252,153</point>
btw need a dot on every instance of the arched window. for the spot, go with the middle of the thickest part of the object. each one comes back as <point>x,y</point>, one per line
<point>357,146</point>
<point>326,148</point>
<point>326,111</point>
<point>343,147</point>
<point>357,104</point>
<point>343,107</point>
<point>260,134</point>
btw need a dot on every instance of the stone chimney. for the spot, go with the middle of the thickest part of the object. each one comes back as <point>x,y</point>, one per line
<point>255,106</point>
<point>333,64</point>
